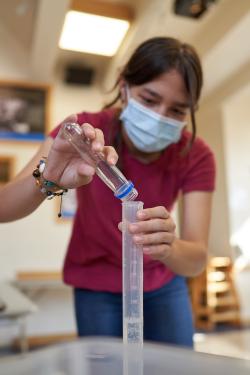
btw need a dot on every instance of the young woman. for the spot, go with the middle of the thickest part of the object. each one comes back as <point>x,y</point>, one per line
<point>157,91</point>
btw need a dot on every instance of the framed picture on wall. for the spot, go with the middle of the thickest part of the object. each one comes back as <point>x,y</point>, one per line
<point>24,111</point>
<point>6,169</point>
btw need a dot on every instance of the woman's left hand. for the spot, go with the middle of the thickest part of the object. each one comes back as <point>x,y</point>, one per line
<point>155,231</point>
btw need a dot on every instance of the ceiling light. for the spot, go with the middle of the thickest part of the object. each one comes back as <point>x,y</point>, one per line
<point>91,33</point>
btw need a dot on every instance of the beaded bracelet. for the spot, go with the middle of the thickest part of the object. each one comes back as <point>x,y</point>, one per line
<point>49,188</point>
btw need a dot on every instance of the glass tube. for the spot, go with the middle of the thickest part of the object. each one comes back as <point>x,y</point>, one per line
<point>109,174</point>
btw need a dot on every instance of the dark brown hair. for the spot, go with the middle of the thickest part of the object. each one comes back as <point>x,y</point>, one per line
<point>159,55</point>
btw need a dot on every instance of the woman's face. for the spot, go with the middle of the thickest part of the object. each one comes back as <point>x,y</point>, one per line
<point>165,95</point>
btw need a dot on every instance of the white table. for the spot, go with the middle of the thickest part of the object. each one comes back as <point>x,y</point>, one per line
<point>101,356</point>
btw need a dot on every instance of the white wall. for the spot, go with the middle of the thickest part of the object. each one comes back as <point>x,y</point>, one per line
<point>224,121</point>
<point>236,112</point>
<point>237,154</point>
<point>210,128</point>
<point>14,58</point>
<point>67,99</point>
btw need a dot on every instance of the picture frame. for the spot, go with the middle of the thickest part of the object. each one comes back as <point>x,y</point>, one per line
<point>6,169</point>
<point>24,110</point>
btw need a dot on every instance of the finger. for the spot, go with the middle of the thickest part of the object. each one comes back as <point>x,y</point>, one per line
<point>121,227</point>
<point>151,213</point>
<point>158,252</point>
<point>110,155</point>
<point>153,225</point>
<point>154,238</point>
<point>88,130</point>
<point>71,118</point>
<point>98,142</point>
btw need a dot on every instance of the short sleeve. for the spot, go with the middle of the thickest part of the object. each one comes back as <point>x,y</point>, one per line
<point>81,118</point>
<point>200,171</point>
<point>54,132</point>
<point>99,120</point>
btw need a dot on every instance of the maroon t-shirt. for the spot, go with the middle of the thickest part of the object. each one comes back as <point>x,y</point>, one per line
<point>94,256</point>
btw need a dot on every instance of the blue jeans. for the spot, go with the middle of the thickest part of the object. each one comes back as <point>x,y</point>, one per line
<point>167,313</point>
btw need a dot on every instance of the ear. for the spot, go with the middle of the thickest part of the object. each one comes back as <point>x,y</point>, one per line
<point>123,90</point>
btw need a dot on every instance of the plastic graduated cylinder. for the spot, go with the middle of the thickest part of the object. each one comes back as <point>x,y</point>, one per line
<point>109,174</point>
<point>132,279</point>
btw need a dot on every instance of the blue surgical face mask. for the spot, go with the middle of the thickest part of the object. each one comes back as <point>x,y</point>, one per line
<point>149,131</point>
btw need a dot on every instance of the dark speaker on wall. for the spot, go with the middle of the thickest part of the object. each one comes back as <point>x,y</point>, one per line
<point>192,8</point>
<point>79,75</point>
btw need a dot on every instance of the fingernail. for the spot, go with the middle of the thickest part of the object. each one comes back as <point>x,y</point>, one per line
<point>146,250</point>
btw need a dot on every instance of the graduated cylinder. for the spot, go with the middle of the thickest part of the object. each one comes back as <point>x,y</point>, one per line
<point>132,278</point>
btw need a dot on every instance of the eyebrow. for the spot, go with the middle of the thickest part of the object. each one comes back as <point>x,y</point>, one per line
<point>153,93</point>
<point>157,96</point>
<point>181,104</point>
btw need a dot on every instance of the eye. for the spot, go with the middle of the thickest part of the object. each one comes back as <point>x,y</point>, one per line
<point>147,101</point>
<point>179,112</point>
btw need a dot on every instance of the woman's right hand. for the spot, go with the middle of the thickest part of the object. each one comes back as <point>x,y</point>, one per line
<point>64,165</point>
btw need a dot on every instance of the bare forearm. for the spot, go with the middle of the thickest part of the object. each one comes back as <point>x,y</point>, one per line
<point>19,198</point>
<point>186,258</point>
<point>22,196</point>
